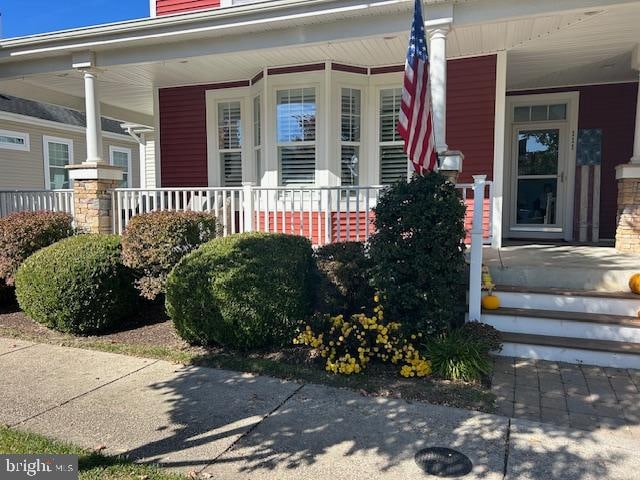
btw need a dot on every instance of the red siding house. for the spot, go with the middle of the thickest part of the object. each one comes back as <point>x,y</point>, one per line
<point>281,116</point>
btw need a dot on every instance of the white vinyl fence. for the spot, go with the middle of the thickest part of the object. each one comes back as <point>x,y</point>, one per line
<point>12,201</point>
<point>322,214</point>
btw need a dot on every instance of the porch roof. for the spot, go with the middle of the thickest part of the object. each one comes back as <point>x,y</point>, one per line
<point>549,43</point>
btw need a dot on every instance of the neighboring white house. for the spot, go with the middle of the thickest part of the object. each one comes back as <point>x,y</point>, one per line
<point>37,140</point>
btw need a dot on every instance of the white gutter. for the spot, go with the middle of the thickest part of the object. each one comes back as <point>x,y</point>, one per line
<point>184,19</point>
<point>136,131</point>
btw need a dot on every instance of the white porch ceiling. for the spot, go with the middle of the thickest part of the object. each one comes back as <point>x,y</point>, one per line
<point>578,47</point>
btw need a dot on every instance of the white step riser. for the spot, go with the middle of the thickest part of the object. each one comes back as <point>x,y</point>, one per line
<point>570,355</point>
<point>578,304</point>
<point>562,328</point>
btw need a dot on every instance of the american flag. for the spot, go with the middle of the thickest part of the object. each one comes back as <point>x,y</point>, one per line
<point>415,124</point>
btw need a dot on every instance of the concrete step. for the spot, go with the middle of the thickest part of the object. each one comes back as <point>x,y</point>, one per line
<point>586,326</point>
<point>571,350</point>
<point>581,301</point>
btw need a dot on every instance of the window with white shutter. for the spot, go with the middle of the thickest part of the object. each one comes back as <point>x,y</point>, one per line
<point>350,107</point>
<point>296,135</point>
<point>393,160</point>
<point>230,143</point>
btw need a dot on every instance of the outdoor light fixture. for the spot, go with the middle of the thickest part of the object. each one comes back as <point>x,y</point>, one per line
<point>450,163</point>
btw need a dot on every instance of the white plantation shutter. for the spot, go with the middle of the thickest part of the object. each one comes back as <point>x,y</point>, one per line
<point>257,138</point>
<point>296,131</point>
<point>350,107</point>
<point>230,143</point>
<point>393,160</point>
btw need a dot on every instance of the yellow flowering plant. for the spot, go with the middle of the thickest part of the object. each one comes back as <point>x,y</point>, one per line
<point>350,345</point>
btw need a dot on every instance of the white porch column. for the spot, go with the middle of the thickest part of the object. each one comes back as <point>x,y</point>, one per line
<point>628,176</point>
<point>92,110</point>
<point>635,159</point>
<point>438,78</point>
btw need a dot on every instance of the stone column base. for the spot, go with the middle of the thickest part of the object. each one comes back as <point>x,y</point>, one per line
<point>628,217</point>
<point>92,186</point>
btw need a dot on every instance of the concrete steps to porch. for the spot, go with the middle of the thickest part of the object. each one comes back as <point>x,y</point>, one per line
<point>574,326</point>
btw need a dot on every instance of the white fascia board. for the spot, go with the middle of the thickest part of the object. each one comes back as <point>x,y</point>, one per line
<point>480,11</point>
<point>27,120</point>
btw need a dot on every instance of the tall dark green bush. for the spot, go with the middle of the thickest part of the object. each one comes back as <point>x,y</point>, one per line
<point>24,233</point>
<point>154,243</point>
<point>244,291</point>
<point>345,278</point>
<point>418,252</point>
<point>78,285</point>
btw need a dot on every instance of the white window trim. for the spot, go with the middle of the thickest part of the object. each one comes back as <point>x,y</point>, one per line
<point>257,148</point>
<point>244,95</point>
<point>344,143</point>
<point>46,139</point>
<point>11,146</point>
<point>113,149</point>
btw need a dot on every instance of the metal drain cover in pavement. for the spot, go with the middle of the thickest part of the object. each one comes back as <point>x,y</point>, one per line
<point>443,462</point>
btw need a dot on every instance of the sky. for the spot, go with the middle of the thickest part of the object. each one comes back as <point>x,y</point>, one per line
<point>27,17</point>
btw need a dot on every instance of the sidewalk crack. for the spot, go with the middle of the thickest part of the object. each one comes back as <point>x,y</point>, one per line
<point>253,427</point>
<point>81,395</point>
<point>507,446</point>
<point>18,349</point>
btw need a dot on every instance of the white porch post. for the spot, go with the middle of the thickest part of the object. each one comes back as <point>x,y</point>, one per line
<point>498,149</point>
<point>635,159</point>
<point>628,176</point>
<point>438,78</point>
<point>475,267</point>
<point>92,110</point>
<point>93,179</point>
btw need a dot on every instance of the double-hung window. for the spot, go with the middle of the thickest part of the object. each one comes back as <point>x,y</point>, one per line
<point>121,157</point>
<point>350,107</point>
<point>58,153</point>
<point>257,137</point>
<point>230,143</point>
<point>393,161</point>
<point>296,135</point>
<point>14,140</point>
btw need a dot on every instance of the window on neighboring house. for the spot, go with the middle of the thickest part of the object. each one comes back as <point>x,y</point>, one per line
<point>350,136</point>
<point>58,153</point>
<point>14,140</point>
<point>230,143</point>
<point>257,138</point>
<point>393,161</point>
<point>296,132</point>
<point>121,157</point>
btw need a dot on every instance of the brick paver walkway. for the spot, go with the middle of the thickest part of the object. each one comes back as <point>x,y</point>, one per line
<point>580,396</point>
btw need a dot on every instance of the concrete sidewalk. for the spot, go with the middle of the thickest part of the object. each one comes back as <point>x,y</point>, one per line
<point>241,426</point>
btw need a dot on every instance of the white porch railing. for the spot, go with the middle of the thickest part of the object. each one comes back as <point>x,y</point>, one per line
<point>322,214</point>
<point>12,201</point>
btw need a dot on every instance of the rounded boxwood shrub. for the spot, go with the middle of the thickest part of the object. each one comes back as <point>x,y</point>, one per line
<point>78,285</point>
<point>418,252</point>
<point>24,233</point>
<point>153,243</point>
<point>244,291</point>
<point>345,278</point>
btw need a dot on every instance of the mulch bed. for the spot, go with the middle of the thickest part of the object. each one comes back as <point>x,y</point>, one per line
<point>152,330</point>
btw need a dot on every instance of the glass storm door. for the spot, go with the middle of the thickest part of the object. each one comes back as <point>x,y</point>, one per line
<point>538,180</point>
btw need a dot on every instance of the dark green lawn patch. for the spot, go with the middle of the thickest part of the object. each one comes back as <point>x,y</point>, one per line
<point>93,466</point>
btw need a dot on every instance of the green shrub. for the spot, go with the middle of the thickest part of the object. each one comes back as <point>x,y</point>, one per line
<point>345,275</point>
<point>243,291</point>
<point>24,233</point>
<point>154,243</point>
<point>418,252</point>
<point>455,356</point>
<point>78,285</point>
<point>483,334</point>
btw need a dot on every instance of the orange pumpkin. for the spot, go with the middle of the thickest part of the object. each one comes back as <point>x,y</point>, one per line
<point>634,283</point>
<point>490,302</point>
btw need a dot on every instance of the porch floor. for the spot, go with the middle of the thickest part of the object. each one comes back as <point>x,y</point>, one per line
<point>579,267</point>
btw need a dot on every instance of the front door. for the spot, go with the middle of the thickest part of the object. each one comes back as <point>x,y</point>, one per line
<point>538,186</point>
